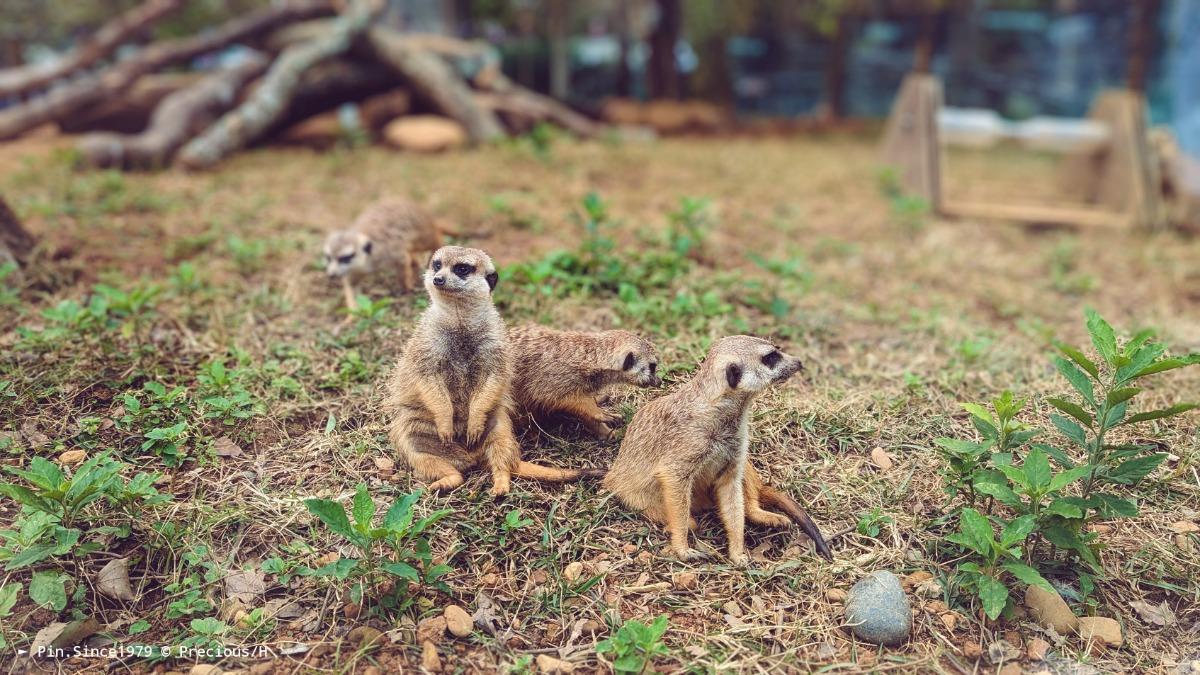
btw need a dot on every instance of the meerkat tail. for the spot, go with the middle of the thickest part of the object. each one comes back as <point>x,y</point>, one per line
<point>772,497</point>
<point>539,472</point>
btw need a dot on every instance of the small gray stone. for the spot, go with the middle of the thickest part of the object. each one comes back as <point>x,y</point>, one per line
<point>878,611</point>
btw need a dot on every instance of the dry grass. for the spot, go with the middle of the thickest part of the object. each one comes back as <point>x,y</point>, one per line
<point>897,322</point>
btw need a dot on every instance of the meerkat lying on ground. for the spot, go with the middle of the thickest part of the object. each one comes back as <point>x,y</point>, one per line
<point>389,236</point>
<point>565,371</point>
<point>449,395</point>
<point>686,452</point>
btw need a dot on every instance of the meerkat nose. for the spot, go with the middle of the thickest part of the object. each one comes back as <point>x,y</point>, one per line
<point>439,281</point>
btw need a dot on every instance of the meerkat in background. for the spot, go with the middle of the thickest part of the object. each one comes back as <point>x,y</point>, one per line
<point>686,452</point>
<point>449,395</point>
<point>389,236</point>
<point>565,371</point>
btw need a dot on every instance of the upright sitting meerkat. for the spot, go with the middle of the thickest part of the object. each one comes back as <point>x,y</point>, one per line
<point>565,371</point>
<point>449,394</point>
<point>686,452</point>
<point>390,236</point>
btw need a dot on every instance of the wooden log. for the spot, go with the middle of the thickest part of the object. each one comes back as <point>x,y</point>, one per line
<point>180,116</point>
<point>430,78</point>
<point>92,89</point>
<point>330,84</point>
<point>129,113</point>
<point>15,240</point>
<point>264,108</point>
<point>27,78</point>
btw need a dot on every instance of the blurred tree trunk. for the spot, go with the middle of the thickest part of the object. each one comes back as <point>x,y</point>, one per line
<point>1145,16</point>
<point>835,70</point>
<point>924,52</point>
<point>560,64</point>
<point>664,77</point>
<point>624,77</point>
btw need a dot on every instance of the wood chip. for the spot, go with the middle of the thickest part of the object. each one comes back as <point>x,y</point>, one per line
<point>882,459</point>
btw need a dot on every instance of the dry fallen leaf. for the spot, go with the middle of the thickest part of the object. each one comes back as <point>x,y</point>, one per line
<point>1158,615</point>
<point>64,635</point>
<point>72,457</point>
<point>245,585</point>
<point>113,580</point>
<point>881,459</point>
<point>225,447</point>
<point>1184,527</point>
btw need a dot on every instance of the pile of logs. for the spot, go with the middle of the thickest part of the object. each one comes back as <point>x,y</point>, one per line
<point>303,59</point>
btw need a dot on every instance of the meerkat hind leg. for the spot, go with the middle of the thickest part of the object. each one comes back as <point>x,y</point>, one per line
<point>676,512</point>
<point>443,474</point>
<point>755,513</point>
<point>732,509</point>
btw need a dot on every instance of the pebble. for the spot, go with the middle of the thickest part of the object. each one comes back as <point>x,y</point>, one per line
<point>1050,610</point>
<point>72,457</point>
<point>430,660</point>
<point>837,595</point>
<point>878,611</point>
<point>458,622</point>
<point>431,630</point>
<point>549,664</point>
<point>686,580</point>
<point>882,459</point>
<point>1101,629</point>
<point>573,571</point>
<point>1036,649</point>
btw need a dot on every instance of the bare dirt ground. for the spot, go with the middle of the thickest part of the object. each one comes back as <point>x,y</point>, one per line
<point>898,315</point>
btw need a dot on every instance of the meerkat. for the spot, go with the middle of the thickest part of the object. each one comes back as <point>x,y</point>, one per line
<point>449,395</point>
<point>390,235</point>
<point>563,372</point>
<point>686,452</point>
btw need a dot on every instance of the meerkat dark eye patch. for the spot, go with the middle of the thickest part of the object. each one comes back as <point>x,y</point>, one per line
<point>462,270</point>
<point>367,248</point>
<point>436,265</point>
<point>345,259</point>
<point>733,375</point>
<point>653,367</point>
<point>492,278</point>
<point>630,359</point>
<point>772,359</point>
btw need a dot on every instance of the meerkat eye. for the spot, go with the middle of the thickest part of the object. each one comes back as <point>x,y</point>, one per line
<point>367,248</point>
<point>345,259</point>
<point>437,265</point>
<point>653,367</point>
<point>463,270</point>
<point>630,359</point>
<point>772,359</point>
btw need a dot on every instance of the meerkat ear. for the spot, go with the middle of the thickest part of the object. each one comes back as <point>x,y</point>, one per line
<point>733,375</point>
<point>367,248</point>
<point>492,278</point>
<point>630,359</point>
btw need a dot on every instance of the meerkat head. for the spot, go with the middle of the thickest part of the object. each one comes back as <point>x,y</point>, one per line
<point>347,252</point>
<point>744,363</point>
<point>636,358</point>
<point>457,273</point>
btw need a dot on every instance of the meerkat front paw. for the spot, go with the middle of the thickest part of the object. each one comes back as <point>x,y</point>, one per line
<point>446,482</point>
<point>739,559</point>
<point>501,483</point>
<point>603,432</point>
<point>614,420</point>
<point>475,431</point>
<point>691,555</point>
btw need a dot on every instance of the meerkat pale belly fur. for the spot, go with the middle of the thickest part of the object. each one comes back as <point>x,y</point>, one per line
<point>390,236</point>
<point>563,372</point>
<point>686,452</point>
<point>449,396</point>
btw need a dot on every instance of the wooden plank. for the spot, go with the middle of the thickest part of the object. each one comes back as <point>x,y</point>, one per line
<point>1082,216</point>
<point>910,139</point>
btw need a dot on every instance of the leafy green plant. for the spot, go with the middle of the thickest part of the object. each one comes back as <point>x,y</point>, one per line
<point>9,593</point>
<point>511,523</point>
<point>224,393</point>
<point>635,645</point>
<point>994,561</point>
<point>688,226</point>
<point>910,211</point>
<point>396,551</point>
<point>9,293</point>
<point>870,523</point>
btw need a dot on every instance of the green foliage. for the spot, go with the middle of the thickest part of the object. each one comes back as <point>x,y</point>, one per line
<point>871,522</point>
<point>9,593</point>
<point>1045,493</point>
<point>634,646</point>
<point>9,293</point>
<point>908,210</point>
<point>396,550</point>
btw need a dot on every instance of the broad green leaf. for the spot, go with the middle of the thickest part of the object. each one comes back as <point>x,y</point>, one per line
<point>659,627</point>
<point>1112,506</point>
<point>1135,343</point>
<point>8,597</point>
<point>992,594</point>
<point>1037,470</point>
<point>1121,395</point>
<point>1159,414</point>
<point>1067,477</point>
<point>1059,456</point>
<point>1070,429</point>
<point>1015,475</point>
<point>1018,438</point>
<point>1078,357</point>
<point>42,473</point>
<point>363,508</point>
<point>1077,379</point>
<point>27,497</point>
<point>338,569</point>
<point>998,490</point>
<point>1028,575</point>
<point>1102,337</point>
<point>400,515</point>
<point>30,555</point>
<point>48,589</point>
<point>1072,409</point>
<point>1017,530</point>
<point>1138,361</point>
<point>1168,364</point>
<point>978,530</point>
<point>979,411</point>
<point>1115,414</point>
<point>332,514</point>
<point>1061,507</point>
<point>1134,470</point>
<point>403,570</point>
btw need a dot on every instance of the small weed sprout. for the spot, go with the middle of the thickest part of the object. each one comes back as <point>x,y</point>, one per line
<point>635,645</point>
